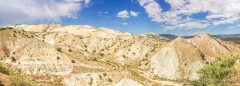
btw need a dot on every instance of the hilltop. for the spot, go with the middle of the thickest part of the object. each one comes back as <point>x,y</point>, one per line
<point>83,54</point>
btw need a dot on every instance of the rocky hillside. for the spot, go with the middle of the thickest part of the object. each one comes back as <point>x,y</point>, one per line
<point>153,35</point>
<point>85,55</point>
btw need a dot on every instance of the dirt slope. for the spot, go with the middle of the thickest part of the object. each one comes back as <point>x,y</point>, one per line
<point>85,55</point>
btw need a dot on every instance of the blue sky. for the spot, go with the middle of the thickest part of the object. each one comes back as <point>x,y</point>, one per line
<point>179,17</point>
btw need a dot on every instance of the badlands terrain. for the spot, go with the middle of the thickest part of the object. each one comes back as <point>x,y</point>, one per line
<point>82,55</point>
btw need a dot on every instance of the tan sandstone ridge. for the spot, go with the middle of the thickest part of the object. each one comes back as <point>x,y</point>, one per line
<point>101,56</point>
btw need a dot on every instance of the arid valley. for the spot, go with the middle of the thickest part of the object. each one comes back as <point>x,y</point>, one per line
<point>82,55</point>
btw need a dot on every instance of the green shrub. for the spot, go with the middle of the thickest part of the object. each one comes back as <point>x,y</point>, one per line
<point>104,74</point>
<point>109,80</point>
<point>58,57</point>
<point>73,61</point>
<point>69,50</point>
<point>80,37</point>
<point>100,76</point>
<point>94,51</point>
<point>17,79</point>
<point>14,35</point>
<point>101,54</point>
<point>94,59</point>
<point>222,68</point>
<point>124,56</point>
<point>85,46</point>
<point>134,53</point>
<point>91,81</point>
<point>59,49</point>
<point>3,69</point>
<point>134,73</point>
<point>1,29</point>
<point>13,59</point>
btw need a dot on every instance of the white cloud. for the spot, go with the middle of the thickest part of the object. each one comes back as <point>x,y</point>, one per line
<point>123,14</point>
<point>218,12</point>
<point>231,27</point>
<point>153,9</point>
<point>134,14</point>
<point>14,11</point>
<point>169,28</point>
<point>226,21</point>
<point>87,2</point>
<point>191,25</point>
<point>187,25</point>
<point>238,25</point>
<point>100,12</point>
<point>125,24</point>
<point>105,12</point>
<point>222,16</point>
<point>75,17</point>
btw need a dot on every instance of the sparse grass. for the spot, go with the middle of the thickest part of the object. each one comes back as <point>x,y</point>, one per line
<point>91,81</point>
<point>134,73</point>
<point>159,78</point>
<point>222,68</point>
<point>17,79</point>
<point>3,69</point>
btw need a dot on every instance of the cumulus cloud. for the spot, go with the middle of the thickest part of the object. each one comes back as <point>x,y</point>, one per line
<point>218,12</point>
<point>191,25</point>
<point>231,27</point>
<point>13,11</point>
<point>134,14</point>
<point>187,25</point>
<point>226,21</point>
<point>153,9</point>
<point>123,14</point>
<point>169,28</point>
<point>125,24</point>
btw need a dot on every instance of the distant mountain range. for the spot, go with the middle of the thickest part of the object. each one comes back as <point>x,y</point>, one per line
<point>220,36</point>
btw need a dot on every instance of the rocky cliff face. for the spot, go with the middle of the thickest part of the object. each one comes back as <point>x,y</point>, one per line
<point>91,56</point>
<point>178,59</point>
